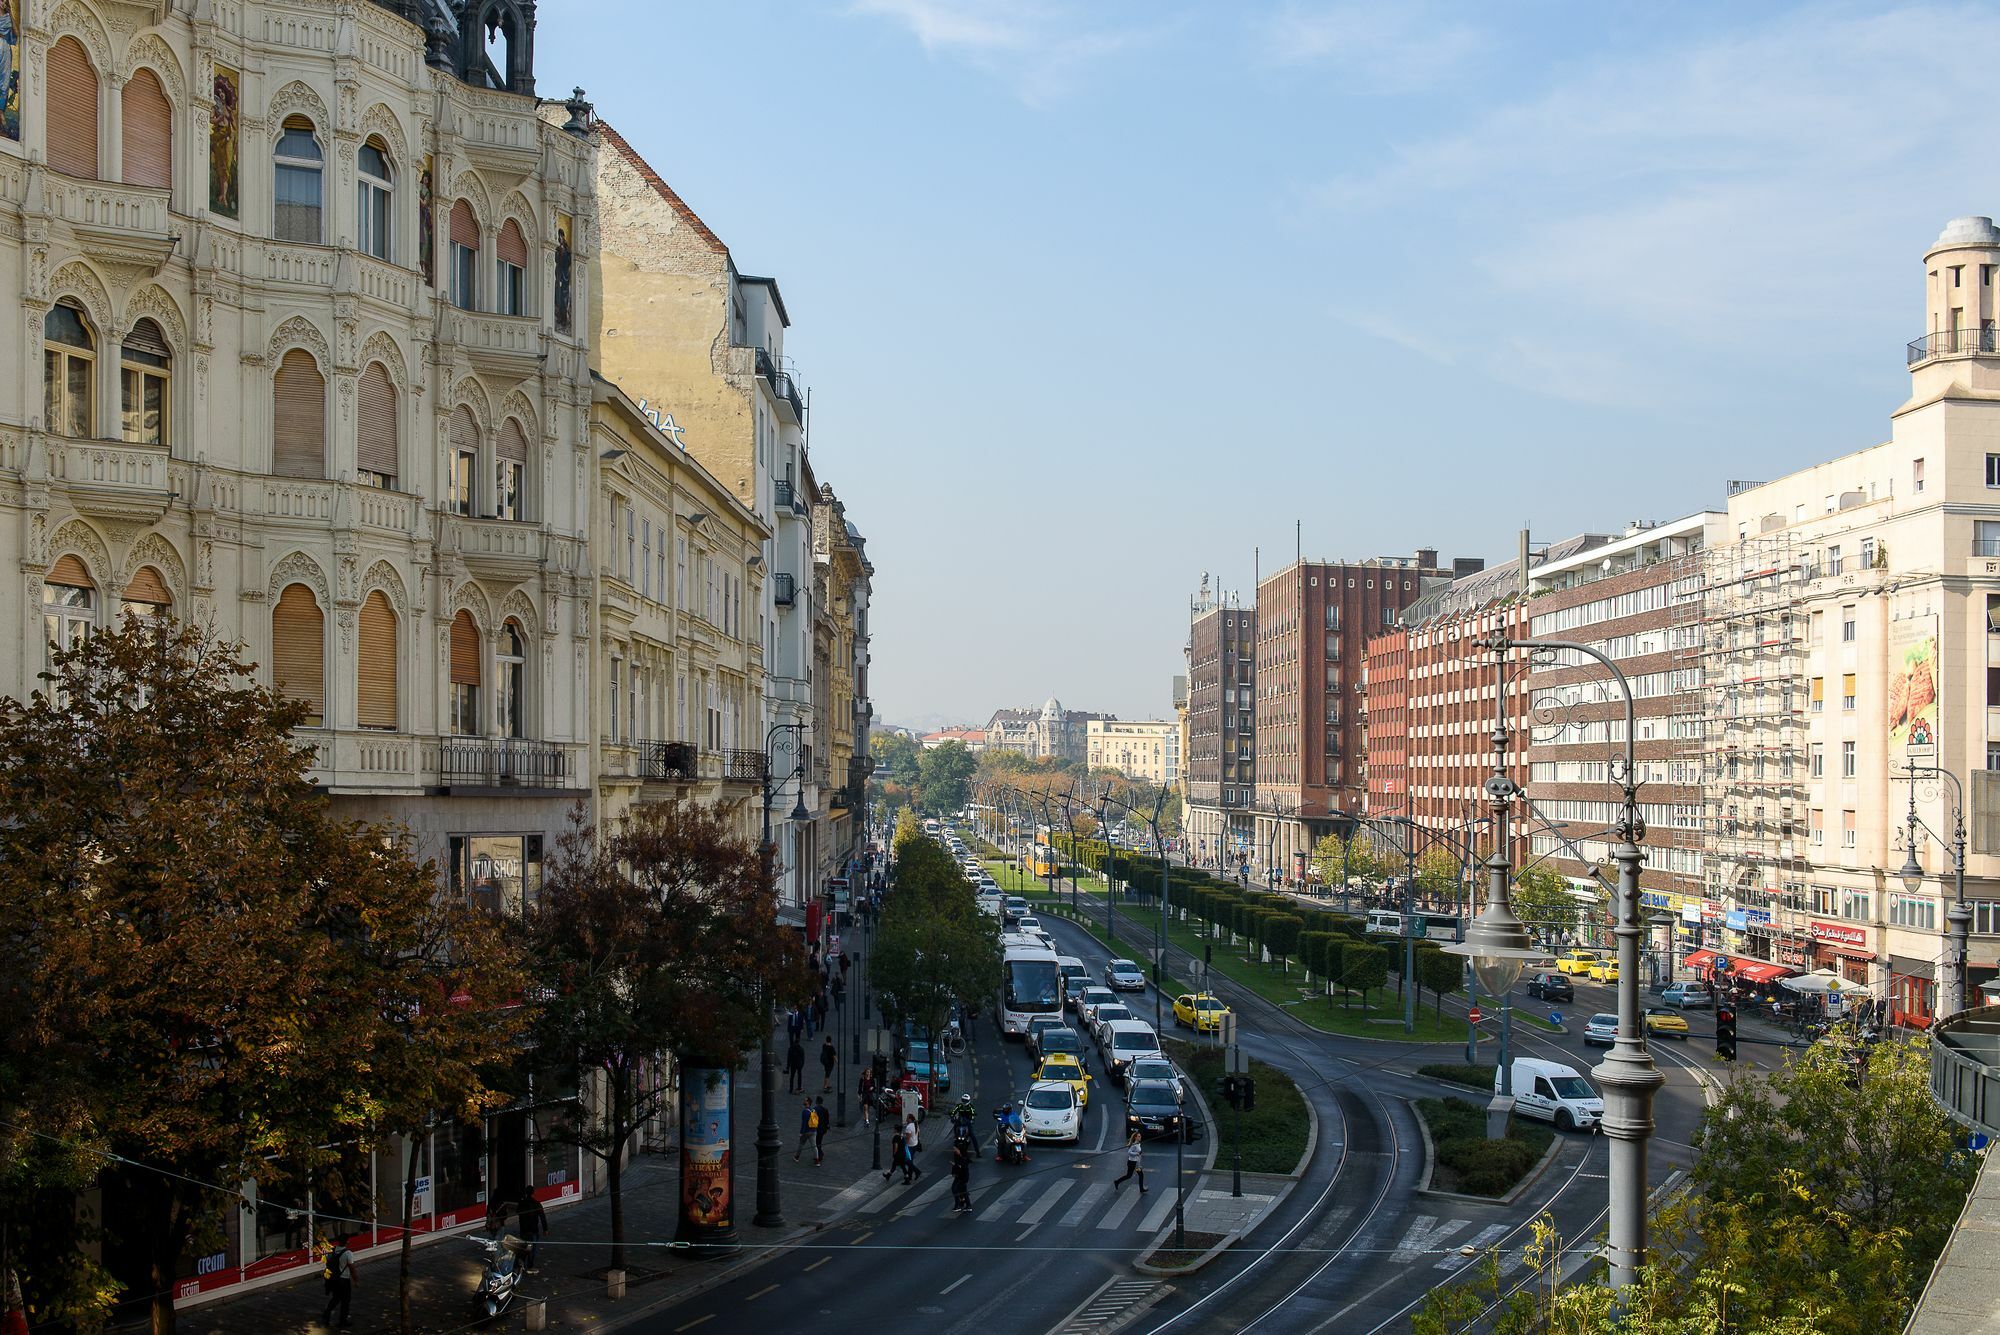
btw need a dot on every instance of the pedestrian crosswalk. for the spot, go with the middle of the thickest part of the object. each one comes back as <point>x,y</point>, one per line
<point>1032,1199</point>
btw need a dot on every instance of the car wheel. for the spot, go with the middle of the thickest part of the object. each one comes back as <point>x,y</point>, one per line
<point>1564,1122</point>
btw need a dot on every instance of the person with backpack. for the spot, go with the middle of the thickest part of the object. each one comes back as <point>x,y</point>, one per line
<point>338,1273</point>
<point>820,1120</point>
<point>829,1057</point>
<point>808,1126</point>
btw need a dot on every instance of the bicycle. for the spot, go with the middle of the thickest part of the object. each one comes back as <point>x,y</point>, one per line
<point>954,1041</point>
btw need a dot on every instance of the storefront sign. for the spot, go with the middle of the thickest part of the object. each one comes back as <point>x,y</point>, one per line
<point>1691,913</point>
<point>707,1204</point>
<point>1735,920</point>
<point>1757,917</point>
<point>1839,934</point>
<point>420,1203</point>
<point>1711,911</point>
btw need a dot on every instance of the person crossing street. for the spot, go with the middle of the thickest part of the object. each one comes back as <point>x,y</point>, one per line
<point>961,1178</point>
<point>1135,1163</point>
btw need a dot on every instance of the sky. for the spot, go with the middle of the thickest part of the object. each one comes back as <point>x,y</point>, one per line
<point>1094,297</point>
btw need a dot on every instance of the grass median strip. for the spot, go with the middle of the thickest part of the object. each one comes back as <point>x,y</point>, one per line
<point>1273,1135</point>
<point>1470,1163</point>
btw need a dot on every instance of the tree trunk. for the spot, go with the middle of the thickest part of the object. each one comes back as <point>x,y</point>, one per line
<point>614,1183</point>
<point>167,1243</point>
<point>403,1259</point>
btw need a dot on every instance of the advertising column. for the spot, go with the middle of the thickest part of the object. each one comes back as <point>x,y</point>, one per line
<point>708,1204</point>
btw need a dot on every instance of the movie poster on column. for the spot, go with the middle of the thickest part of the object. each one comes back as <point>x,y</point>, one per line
<point>707,1204</point>
<point>1913,684</point>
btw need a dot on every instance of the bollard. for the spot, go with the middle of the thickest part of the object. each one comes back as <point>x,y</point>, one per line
<point>538,1315</point>
<point>614,1284</point>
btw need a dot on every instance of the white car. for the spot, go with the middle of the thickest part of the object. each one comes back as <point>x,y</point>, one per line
<point>1051,1112</point>
<point>1124,1042</point>
<point>1153,1068</point>
<point>1087,1000</point>
<point>1104,1016</point>
<point>1030,925</point>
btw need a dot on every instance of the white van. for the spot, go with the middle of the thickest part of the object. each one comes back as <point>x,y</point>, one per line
<point>1384,922</point>
<point>1554,1093</point>
<point>1125,1039</point>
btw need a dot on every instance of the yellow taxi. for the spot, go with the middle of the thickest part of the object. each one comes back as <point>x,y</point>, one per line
<point>1062,1066</point>
<point>1604,970</point>
<point>1199,1011</point>
<point>1666,1023</point>
<point>1577,962</point>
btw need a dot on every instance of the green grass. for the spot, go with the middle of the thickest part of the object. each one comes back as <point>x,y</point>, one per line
<point>1273,1134</point>
<point>1458,1073</point>
<point>1467,1161</point>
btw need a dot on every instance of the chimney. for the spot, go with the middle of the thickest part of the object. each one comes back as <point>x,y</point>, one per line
<point>1521,559</point>
<point>1427,558</point>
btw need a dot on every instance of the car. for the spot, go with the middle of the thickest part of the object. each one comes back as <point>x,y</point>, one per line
<point>1036,1027</point>
<point>1601,1028</point>
<point>1577,961</point>
<point>1665,1022</point>
<point>1151,1068</point>
<point>1052,1111</point>
<point>1062,1066</point>
<point>1551,987</point>
<point>1064,1040</point>
<point>1153,1108</point>
<point>1030,925</point>
<point>1199,1011</point>
<point>1090,998</point>
<point>1555,1093</point>
<point>1016,908</point>
<point>1075,976</point>
<point>1125,1041</point>
<point>1108,1014</point>
<point>1124,976</point>
<point>1604,971</point>
<point>926,1063</point>
<point>1689,996</point>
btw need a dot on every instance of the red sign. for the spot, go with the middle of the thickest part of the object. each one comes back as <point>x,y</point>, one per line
<point>1840,934</point>
<point>1473,1015</point>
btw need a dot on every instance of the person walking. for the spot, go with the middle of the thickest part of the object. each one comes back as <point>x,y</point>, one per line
<point>339,1274</point>
<point>1135,1163</point>
<point>795,1023</point>
<point>839,992</point>
<point>912,1142</point>
<point>808,1124</point>
<point>961,1177</point>
<point>820,1121</point>
<point>534,1225</point>
<point>795,1066</point>
<point>829,1057</point>
<point>867,1095</point>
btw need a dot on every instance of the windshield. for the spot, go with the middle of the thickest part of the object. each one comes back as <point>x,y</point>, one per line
<point>1124,966</point>
<point>1033,985</point>
<point>1097,996</point>
<point>1153,1092</point>
<point>920,1052</point>
<point>1156,1069</point>
<point>1058,1040</point>
<point>1208,1005</point>
<point>1133,1040</point>
<point>1106,1014</point>
<point>1573,1087</point>
<point>1607,1021</point>
<point>1051,1099</point>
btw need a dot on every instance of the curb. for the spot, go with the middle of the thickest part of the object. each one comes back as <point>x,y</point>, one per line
<point>1425,1190</point>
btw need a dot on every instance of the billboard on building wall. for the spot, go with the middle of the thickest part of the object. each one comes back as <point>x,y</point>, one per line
<point>1913,682</point>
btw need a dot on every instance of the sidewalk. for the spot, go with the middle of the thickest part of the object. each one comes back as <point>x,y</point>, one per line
<point>573,1257</point>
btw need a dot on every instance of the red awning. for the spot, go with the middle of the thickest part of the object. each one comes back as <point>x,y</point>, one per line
<point>1757,971</point>
<point>1700,959</point>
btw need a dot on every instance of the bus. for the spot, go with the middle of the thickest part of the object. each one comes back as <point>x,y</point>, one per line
<point>1031,984</point>
<point>1436,926</point>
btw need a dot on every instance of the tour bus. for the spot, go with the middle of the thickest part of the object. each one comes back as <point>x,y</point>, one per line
<point>1436,926</point>
<point>1031,984</point>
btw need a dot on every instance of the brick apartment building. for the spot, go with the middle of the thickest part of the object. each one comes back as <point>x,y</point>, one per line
<point>1314,620</point>
<point>1220,765</point>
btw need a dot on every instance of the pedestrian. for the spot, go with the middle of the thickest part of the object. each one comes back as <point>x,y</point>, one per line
<point>808,1124</point>
<point>895,1157</point>
<point>867,1095</point>
<point>839,991</point>
<point>820,1121</point>
<point>845,962</point>
<point>829,1057</point>
<point>795,1066</point>
<point>795,1023</point>
<point>534,1224</point>
<point>819,1011</point>
<point>961,1178</point>
<point>339,1275</point>
<point>1134,1163</point>
<point>912,1142</point>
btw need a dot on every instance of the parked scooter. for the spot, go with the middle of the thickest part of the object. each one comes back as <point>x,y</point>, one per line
<point>498,1276</point>
<point>1011,1140</point>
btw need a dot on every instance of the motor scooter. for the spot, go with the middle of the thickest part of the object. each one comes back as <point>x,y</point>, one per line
<point>499,1275</point>
<point>1010,1141</point>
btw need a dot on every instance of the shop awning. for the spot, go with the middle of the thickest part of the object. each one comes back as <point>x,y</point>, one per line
<point>1700,959</point>
<point>1755,971</point>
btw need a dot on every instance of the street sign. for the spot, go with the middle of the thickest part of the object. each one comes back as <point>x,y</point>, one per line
<point>1555,1017</point>
<point>1473,1015</point>
<point>1239,1061</point>
<point>1198,972</point>
<point>1420,928</point>
<point>1227,1034</point>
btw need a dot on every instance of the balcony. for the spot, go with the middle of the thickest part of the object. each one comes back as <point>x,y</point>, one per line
<point>507,548</point>
<point>120,225</point>
<point>365,761</point>
<point>668,762</point>
<point>742,767</point>
<point>123,483</point>
<point>1965,1067</point>
<point>787,498</point>
<point>784,589</point>
<point>511,344</point>
<point>506,764</point>
<point>784,386</point>
<point>1954,343</point>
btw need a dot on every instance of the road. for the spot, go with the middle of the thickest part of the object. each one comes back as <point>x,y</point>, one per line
<point>1352,1249</point>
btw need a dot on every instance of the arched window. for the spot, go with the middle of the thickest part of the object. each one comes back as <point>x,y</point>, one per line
<point>146,596</point>
<point>298,166</point>
<point>69,604</point>
<point>72,110</point>
<point>149,131</point>
<point>298,417</point>
<point>69,371</point>
<point>144,366</point>
<point>464,257</point>
<point>298,651</point>
<point>464,676</point>
<point>462,489</point>
<point>510,472</point>
<point>511,248</point>
<point>377,435</point>
<point>375,693</point>
<point>512,663</point>
<point>373,225</point>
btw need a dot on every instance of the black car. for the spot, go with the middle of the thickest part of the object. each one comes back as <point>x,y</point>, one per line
<point>1153,1108</point>
<point>1038,1026</point>
<point>1060,1038</point>
<point>1551,987</point>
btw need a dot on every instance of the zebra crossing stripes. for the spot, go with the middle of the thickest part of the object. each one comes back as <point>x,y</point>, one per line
<point>1116,1214</point>
<point>1474,1247</point>
<point>1084,1204</point>
<point>1008,1198</point>
<point>1046,1202</point>
<point>1117,1300</point>
<point>1158,1214</point>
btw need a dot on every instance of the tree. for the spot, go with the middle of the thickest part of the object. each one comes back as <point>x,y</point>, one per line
<point>186,927</point>
<point>1326,862</point>
<point>1438,875</point>
<point>660,938</point>
<point>896,756</point>
<point>944,778</point>
<point>1441,973</point>
<point>1365,968</point>
<point>933,948</point>
<point>1542,900</point>
<point>1281,934</point>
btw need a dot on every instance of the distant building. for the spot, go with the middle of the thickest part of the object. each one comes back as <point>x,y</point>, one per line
<point>1050,733</point>
<point>972,739</point>
<point>1149,751</point>
<point>1220,765</point>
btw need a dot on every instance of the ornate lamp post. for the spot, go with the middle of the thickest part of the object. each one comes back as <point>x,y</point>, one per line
<point>1958,918</point>
<point>783,739</point>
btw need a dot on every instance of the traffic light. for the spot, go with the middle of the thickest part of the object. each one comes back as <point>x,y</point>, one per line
<point>1246,1089</point>
<point>1229,1091</point>
<point>1725,1033</point>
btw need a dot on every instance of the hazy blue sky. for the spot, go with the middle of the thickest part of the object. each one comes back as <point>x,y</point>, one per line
<point>1095,296</point>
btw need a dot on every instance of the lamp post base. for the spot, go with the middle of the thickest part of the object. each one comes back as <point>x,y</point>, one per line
<point>1498,1113</point>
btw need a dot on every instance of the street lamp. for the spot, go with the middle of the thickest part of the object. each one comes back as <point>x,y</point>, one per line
<point>782,739</point>
<point>1958,918</point>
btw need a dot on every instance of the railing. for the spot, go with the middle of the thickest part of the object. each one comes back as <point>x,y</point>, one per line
<point>1953,343</point>
<point>786,386</point>
<point>1965,1067</point>
<point>503,762</point>
<point>108,205</point>
<point>784,589</point>
<point>742,766</point>
<point>788,498</point>
<point>668,762</point>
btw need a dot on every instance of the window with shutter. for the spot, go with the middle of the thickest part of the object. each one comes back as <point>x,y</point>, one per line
<point>464,676</point>
<point>148,131</point>
<point>464,257</point>
<point>146,594</point>
<point>298,651</point>
<point>143,375</point>
<point>511,249</point>
<point>72,110</point>
<point>376,435</point>
<point>510,472</point>
<point>69,367</point>
<point>375,698</point>
<point>298,417</point>
<point>464,458</point>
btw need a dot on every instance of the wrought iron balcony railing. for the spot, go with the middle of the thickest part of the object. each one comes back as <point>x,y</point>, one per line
<point>504,762</point>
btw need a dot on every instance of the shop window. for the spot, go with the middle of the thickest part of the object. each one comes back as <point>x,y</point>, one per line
<point>499,873</point>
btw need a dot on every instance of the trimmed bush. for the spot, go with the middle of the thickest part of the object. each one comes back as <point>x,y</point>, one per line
<point>1366,968</point>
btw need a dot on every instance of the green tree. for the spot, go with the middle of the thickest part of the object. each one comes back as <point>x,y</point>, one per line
<point>1282,933</point>
<point>934,948</point>
<point>944,778</point>
<point>1542,900</point>
<point>1325,863</point>
<point>1441,973</point>
<point>1365,968</point>
<point>661,937</point>
<point>1438,875</point>
<point>896,757</point>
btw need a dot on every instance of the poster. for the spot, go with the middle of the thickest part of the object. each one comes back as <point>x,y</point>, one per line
<point>565,228</point>
<point>1913,683</point>
<point>426,235</point>
<point>10,69</point>
<point>707,1207</point>
<point>222,140</point>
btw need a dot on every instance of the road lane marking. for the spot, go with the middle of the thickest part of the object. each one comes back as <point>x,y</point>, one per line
<point>1478,1243</point>
<point>1115,1216</point>
<point>1035,1213</point>
<point>1158,1214</point>
<point>768,1288</point>
<point>863,1238</point>
<point>816,1265</point>
<point>692,1324</point>
<point>954,1284</point>
<point>1426,1235</point>
<point>1084,1204</point>
<point>1008,1198</point>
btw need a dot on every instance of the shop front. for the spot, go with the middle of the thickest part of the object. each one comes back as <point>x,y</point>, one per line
<point>1912,992</point>
<point>1843,948</point>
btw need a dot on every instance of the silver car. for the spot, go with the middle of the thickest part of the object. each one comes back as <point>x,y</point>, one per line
<point>1601,1028</point>
<point>1125,976</point>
